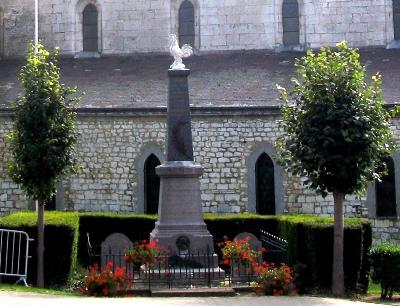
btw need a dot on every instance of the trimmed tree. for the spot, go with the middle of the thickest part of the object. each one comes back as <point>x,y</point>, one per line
<point>335,132</point>
<point>43,135</point>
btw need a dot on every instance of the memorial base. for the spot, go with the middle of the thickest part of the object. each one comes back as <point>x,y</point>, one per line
<point>181,276</point>
<point>180,228</point>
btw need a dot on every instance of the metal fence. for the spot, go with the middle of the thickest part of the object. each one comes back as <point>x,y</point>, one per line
<point>14,254</point>
<point>275,248</point>
<point>180,271</point>
<point>184,270</point>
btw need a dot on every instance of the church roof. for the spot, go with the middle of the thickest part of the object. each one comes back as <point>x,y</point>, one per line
<point>216,80</point>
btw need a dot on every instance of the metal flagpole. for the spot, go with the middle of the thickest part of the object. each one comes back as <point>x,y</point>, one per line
<point>36,40</point>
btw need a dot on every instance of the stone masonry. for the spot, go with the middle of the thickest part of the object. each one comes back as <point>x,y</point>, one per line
<point>127,27</point>
<point>111,145</point>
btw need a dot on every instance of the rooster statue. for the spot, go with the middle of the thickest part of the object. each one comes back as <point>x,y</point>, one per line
<point>178,53</point>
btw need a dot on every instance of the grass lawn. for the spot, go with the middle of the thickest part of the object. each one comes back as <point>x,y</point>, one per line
<point>374,288</point>
<point>374,296</point>
<point>20,288</point>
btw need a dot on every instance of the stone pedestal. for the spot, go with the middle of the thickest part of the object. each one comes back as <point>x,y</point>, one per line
<point>180,228</point>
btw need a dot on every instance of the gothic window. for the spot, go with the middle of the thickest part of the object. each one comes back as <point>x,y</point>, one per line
<point>396,19</point>
<point>90,29</point>
<point>151,185</point>
<point>265,185</point>
<point>186,23</point>
<point>386,193</point>
<point>290,22</point>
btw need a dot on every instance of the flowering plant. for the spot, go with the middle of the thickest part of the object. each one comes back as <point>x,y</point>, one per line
<point>105,282</point>
<point>238,250</point>
<point>273,280</point>
<point>269,280</point>
<point>143,252</point>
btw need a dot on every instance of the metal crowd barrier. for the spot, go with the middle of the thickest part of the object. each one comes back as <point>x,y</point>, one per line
<point>14,254</point>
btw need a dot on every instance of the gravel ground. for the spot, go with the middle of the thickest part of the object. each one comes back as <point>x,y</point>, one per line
<point>33,299</point>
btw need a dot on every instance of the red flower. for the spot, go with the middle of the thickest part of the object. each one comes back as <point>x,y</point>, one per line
<point>273,280</point>
<point>105,282</point>
<point>143,252</point>
<point>227,261</point>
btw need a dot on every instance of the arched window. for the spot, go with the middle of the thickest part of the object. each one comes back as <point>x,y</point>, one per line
<point>151,185</point>
<point>265,185</point>
<point>290,22</point>
<point>386,192</point>
<point>90,29</point>
<point>186,23</point>
<point>396,19</point>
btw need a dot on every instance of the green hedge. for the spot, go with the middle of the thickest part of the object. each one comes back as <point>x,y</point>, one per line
<point>230,225</point>
<point>100,225</point>
<point>138,227</point>
<point>310,240</point>
<point>385,260</point>
<point>61,241</point>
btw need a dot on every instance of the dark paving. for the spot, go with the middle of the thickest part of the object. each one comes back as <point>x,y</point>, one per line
<point>230,79</point>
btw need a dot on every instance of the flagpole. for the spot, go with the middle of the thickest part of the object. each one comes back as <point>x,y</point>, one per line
<point>36,41</point>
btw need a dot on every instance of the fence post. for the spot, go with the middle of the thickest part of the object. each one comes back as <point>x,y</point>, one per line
<point>208,265</point>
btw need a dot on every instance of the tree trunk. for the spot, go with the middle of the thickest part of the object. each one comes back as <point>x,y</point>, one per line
<point>40,244</point>
<point>338,271</point>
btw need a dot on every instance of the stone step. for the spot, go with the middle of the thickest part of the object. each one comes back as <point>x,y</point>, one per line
<point>193,292</point>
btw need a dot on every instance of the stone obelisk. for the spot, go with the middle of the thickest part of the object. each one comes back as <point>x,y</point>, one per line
<point>180,227</point>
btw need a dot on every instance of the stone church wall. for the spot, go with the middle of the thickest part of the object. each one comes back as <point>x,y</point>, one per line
<point>127,27</point>
<point>113,145</point>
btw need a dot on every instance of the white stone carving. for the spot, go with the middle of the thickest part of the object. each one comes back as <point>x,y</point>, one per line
<point>178,53</point>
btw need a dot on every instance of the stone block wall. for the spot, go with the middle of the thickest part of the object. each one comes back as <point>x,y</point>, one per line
<point>143,26</point>
<point>18,26</point>
<point>124,26</point>
<point>110,148</point>
<point>386,230</point>
<point>113,144</point>
<point>361,23</point>
<point>11,197</point>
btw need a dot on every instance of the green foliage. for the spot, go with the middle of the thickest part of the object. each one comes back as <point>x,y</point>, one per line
<point>335,128</point>
<point>104,282</point>
<point>316,221</point>
<point>76,279</point>
<point>238,251</point>
<point>99,225</point>
<point>61,240</point>
<point>385,261</point>
<point>308,236</point>
<point>22,288</point>
<point>310,248</point>
<point>275,281</point>
<point>143,252</point>
<point>43,134</point>
<point>28,218</point>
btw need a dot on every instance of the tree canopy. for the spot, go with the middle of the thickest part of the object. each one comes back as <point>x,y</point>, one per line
<point>335,127</point>
<point>43,134</point>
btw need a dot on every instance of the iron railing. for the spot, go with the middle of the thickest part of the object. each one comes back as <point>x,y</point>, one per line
<point>184,270</point>
<point>180,271</point>
<point>275,248</point>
